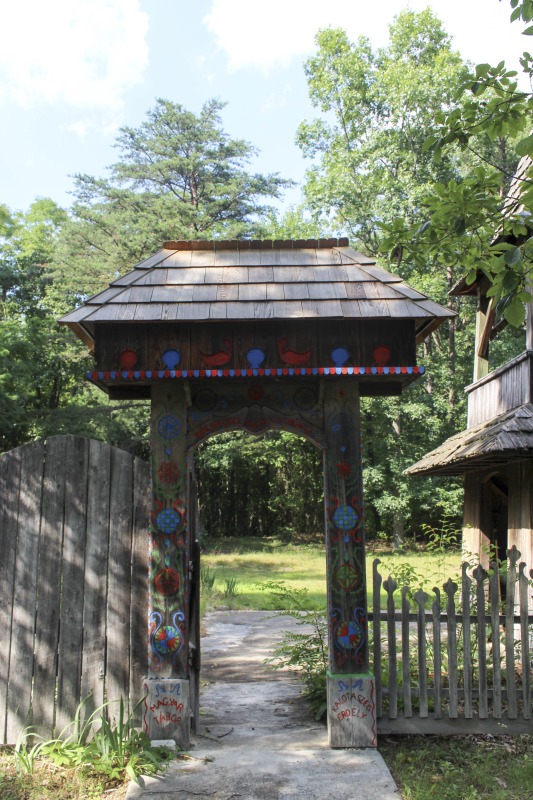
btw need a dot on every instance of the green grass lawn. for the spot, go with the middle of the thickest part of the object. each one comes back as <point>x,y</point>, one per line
<point>460,767</point>
<point>252,563</point>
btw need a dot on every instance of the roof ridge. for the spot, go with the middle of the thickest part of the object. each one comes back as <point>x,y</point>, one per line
<point>254,244</point>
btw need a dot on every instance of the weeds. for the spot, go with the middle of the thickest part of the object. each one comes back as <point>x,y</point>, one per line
<point>207,578</point>
<point>26,755</point>
<point>115,750</point>
<point>230,588</point>
<point>306,652</point>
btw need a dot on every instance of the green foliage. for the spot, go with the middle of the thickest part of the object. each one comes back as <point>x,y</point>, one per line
<point>230,587</point>
<point>489,126</point>
<point>378,106</point>
<point>305,652</point>
<point>115,749</point>
<point>27,751</point>
<point>265,485</point>
<point>207,578</point>
<point>370,169</point>
<point>179,176</point>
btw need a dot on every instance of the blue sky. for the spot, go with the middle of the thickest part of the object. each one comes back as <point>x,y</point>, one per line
<point>73,71</point>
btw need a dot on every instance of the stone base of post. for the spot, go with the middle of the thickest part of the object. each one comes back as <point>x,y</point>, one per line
<point>167,710</point>
<point>351,711</point>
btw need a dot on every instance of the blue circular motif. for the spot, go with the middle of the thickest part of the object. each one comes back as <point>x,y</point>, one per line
<point>169,427</point>
<point>167,640</point>
<point>168,521</point>
<point>345,518</point>
<point>349,635</point>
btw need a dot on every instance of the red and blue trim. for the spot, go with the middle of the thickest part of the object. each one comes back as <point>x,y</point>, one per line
<point>151,375</point>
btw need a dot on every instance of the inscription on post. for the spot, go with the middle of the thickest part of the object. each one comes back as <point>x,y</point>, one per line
<point>351,711</point>
<point>166,711</point>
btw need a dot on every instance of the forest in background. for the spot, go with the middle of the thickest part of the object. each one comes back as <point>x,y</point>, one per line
<point>411,155</point>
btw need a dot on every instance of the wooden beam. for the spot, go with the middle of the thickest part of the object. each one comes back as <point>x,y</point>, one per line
<point>481,362</point>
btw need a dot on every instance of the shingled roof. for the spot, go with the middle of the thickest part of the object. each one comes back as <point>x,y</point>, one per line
<point>496,441</point>
<point>248,280</point>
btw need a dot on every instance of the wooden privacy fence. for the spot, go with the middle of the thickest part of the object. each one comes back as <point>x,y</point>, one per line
<point>73,580</point>
<point>464,663</point>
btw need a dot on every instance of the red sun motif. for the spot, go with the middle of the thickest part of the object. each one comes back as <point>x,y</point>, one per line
<point>168,473</point>
<point>167,581</point>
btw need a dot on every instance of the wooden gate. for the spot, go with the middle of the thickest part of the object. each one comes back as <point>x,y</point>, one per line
<point>74,518</point>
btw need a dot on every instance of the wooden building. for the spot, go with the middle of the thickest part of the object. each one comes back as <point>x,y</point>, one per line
<point>256,335</point>
<point>495,452</point>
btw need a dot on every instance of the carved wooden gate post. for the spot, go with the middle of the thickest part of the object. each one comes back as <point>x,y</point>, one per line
<point>255,336</point>
<point>167,688</point>
<point>351,707</point>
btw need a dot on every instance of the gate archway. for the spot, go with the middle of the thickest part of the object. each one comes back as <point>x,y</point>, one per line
<point>256,335</point>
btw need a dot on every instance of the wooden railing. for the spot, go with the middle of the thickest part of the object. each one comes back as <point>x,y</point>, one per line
<point>505,388</point>
<point>458,660</point>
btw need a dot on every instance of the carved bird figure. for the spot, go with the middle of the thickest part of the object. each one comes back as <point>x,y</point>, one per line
<point>220,358</point>
<point>291,357</point>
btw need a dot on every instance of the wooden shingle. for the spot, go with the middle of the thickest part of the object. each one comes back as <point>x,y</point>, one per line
<point>247,280</point>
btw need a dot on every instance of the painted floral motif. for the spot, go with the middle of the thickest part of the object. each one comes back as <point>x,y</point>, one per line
<point>167,640</point>
<point>349,636</point>
<point>167,581</point>
<point>168,473</point>
<point>347,577</point>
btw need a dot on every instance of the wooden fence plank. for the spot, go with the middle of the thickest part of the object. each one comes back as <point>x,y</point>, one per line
<point>73,565</point>
<point>390,587</point>
<point>119,580</point>
<point>523,591</point>
<point>420,598</point>
<point>510,674</point>
<point>376,629</point>
<point>49,586</point>
<point>406,656</point>
<point>480,575</point>
<point>139,583</point>
<point>25,594</point>
<point>95,591</point>
<point>466,590</point>
<point>494,592</point>
<point>9,498</point>
<point>437,656</point>
<point>450,588</point>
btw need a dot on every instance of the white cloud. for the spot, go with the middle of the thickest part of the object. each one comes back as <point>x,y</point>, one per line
<point>269,35</point>
<point>277,99</point>
<point>85,53</point>
<point>78,128</point>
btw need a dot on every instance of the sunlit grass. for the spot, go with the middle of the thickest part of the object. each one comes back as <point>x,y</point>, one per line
<point>254,562</point>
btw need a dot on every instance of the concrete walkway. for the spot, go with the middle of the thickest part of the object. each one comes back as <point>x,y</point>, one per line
<point>257,740</point>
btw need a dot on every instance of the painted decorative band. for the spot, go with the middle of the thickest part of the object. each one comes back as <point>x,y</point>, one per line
<point>163,374</point>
